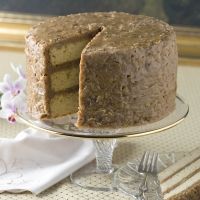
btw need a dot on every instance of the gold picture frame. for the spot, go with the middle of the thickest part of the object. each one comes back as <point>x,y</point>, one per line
<point>13,27</point>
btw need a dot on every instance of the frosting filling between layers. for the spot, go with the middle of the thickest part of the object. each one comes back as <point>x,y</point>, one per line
<point>185,186</point>
<point>180,165</point>
<point>181,177</point>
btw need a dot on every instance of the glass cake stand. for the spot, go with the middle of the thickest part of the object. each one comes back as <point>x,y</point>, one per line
<point>100,176</point>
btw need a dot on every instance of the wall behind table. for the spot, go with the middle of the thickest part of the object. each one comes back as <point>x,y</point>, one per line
<point>10,56</point>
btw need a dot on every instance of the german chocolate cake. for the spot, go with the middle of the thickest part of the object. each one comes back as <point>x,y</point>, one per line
<point>114,69</point>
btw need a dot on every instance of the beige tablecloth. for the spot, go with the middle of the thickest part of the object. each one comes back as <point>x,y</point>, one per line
<point>184,137</point>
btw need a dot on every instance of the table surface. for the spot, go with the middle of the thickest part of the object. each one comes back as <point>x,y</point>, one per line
<point>184,137</point>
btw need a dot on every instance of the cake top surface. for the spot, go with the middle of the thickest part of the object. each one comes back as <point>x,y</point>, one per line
<point>116,30</point>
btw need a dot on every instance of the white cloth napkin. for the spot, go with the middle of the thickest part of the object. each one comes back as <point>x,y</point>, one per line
<point>34,161</point>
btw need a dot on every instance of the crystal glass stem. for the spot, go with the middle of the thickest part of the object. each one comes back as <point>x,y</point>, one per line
<point>104,153</point>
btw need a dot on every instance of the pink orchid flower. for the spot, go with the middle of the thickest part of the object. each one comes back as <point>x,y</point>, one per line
<point>13,95</point>
<point>11,104</point>
<point>15,87</point>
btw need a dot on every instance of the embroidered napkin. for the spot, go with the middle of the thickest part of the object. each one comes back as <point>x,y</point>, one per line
<point>34,160</point>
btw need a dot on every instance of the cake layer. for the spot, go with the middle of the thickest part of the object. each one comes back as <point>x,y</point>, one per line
<point>181,177</point>
<point>64,103</point>
<point>64,79</point>
<point>181,164</point>
<point>181,181</point>
<point>67,52</point>
<point>189,190</point>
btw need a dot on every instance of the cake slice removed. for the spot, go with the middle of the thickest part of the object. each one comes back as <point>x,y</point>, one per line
<point>181,181</point>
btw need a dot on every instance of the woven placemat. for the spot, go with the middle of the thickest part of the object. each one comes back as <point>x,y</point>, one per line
<point>184,137</point>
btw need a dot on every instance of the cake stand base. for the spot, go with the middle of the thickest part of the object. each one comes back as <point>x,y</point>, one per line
<point>89,178</point>
<point>101,177</point>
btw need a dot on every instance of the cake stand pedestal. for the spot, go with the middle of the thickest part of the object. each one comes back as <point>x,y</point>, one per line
<point>100,177</point>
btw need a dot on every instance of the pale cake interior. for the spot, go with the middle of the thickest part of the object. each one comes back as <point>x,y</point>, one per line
<point>180,165</point>
<point>185,186</point>
<point>67,52</point>
<point>181,177</point>
<point>62,103</point>
<point>64,78</point>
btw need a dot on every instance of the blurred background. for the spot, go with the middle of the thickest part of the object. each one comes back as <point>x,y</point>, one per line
<point>17,16</point>
<point>176,12</point>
